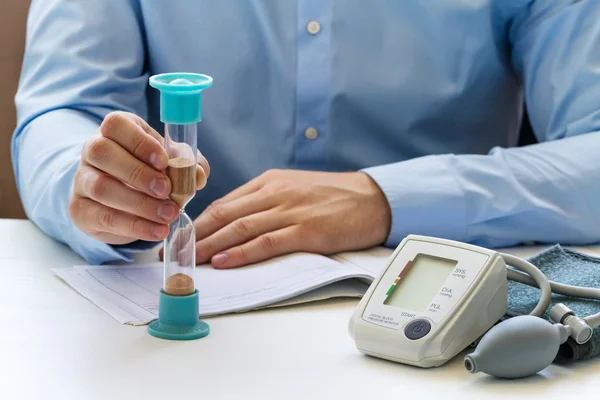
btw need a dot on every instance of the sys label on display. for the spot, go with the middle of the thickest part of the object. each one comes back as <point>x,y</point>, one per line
<point>451,291</point>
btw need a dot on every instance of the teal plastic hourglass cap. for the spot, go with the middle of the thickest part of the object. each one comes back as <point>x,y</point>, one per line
<point>180,96</point>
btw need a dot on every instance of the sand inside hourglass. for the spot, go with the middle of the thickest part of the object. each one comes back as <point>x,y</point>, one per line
<point>179,257</point>
<point>179,285</point>
<point>182,173</point>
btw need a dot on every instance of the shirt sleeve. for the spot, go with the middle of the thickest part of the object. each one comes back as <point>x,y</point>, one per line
<point>547,192</point>
<point>82,60</point>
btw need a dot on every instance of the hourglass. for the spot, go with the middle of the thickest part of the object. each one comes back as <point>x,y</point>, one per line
<point>180,111</point>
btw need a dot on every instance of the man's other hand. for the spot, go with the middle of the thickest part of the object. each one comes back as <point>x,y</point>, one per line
<point>285,211</point>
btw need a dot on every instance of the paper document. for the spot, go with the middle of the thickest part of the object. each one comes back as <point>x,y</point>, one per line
<point>129,293</point>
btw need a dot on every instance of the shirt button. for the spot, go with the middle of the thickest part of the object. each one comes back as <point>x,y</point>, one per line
<point>313,27</point>
<point>311,133</point>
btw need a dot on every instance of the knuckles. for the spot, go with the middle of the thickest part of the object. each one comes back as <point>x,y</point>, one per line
<point>75,208</point>
<point>99,187</point>
<point>136,173</point>
<point>111,122</point>
<point>107,219</point>
<point>79,178</point>
<point>271,174</point>
<point>244,227</point>
<point>137,228</point>
<point>140,143</point>
<point>141,206</point>
<point>217,212</point>
<point>268,243</point>
<point>274,182</point>
<point>96,149</point>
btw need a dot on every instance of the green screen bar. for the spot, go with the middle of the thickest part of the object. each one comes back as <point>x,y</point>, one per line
<point>390,290</point>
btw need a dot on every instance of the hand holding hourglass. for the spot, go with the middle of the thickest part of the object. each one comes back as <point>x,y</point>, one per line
<point>121,189</point>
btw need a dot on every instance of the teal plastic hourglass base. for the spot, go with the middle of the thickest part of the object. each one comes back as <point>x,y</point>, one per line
<point>178,318</point>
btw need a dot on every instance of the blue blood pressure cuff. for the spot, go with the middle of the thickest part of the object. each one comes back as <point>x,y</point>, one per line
<point>569,267</point>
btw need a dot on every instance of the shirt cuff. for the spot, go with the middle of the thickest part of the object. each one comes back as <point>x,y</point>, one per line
<point>424,196</point>
<point>96,252</point>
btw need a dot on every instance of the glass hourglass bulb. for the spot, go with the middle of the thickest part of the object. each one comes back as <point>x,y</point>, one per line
<point>180,244</point>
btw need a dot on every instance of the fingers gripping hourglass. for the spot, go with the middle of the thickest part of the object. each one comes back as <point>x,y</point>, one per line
<point>180,111</point>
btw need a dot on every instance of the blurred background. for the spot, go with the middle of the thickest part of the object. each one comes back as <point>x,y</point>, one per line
<point>13,19</point>
<point>12,31</point>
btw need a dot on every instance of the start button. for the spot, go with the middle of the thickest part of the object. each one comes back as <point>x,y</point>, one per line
<point>417,329</point>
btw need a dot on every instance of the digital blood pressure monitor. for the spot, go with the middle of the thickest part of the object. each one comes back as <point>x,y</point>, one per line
<point>432,300</point>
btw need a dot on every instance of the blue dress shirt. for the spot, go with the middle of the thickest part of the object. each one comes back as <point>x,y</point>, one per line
<point>425,96</point>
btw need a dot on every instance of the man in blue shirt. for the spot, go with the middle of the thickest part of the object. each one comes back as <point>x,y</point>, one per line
<point>332,124</point>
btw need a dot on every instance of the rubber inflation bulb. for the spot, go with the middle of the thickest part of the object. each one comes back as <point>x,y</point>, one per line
<point>517,347</point>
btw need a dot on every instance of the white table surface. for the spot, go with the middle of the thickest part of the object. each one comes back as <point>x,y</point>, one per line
<point>56,344</point>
